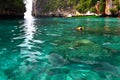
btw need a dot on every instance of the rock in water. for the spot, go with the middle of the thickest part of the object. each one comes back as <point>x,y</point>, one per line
<point>107,67</point>
<point>56,60</point>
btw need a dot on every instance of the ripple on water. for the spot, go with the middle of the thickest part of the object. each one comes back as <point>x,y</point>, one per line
<point>53,50</point>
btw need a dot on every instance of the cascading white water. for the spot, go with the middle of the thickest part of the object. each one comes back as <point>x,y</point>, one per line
<point>28,6</point>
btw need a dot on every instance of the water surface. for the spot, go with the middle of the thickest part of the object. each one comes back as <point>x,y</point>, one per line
<point>51,49</point>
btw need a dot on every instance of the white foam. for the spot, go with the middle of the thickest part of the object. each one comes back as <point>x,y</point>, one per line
<point>28,6</point>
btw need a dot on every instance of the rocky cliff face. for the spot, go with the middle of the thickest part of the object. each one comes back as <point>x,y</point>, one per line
<point>48,8</point>
<point>70,7</point>
<point>108,7</point>
<point>112,8</point>
<point>12,9</point>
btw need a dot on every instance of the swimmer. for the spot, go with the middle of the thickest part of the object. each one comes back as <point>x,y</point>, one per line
<point>79,28</point>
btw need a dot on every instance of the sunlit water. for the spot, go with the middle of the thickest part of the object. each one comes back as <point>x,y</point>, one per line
<point>51,49</point>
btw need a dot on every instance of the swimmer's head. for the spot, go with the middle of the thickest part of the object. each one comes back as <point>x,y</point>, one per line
<point>80,28</point>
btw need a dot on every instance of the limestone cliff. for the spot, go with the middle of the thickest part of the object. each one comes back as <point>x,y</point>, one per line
<point>112,7</point>
<point>49,8</point>
<point>108,7</point>
<point>71,7</point>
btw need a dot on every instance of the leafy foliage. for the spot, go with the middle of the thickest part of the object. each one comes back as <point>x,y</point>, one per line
<point>12,5</point>
<point>80,5</point>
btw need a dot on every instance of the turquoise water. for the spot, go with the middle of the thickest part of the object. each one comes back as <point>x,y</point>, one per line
<point>52,49</point>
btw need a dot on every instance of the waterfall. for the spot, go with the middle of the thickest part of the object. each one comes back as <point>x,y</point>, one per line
<point>28,6</point>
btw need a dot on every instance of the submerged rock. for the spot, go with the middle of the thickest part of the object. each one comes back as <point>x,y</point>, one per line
<point>107,67</point>
<point>56,59</point>
<point>58,70</point>
<point>84,50</point>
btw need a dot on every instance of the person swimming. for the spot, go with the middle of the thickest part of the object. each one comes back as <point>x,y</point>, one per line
<point>79,28</point>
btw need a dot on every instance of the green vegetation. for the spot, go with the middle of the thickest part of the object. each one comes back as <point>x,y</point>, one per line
<point>11,6</point>
<point>51,5</point>
<point>18,7</point>
<point>84,6</point>
<point>116,7</point>
<point>80,5</point>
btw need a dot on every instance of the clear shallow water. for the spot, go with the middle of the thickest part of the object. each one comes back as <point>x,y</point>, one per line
<point>51,49</point>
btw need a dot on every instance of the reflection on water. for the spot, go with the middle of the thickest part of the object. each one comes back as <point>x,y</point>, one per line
<point>29,29</point>
<point>29,32</point>
<point>30,53</point>
<point>28,49</point>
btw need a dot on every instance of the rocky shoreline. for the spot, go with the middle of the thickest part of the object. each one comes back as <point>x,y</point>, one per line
<point>11,16</point>
<point>49,8</point>
<point>46,9</point>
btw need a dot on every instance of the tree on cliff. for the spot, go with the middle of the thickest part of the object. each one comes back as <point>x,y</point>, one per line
<point>12,7</point>
<point>46,6</point>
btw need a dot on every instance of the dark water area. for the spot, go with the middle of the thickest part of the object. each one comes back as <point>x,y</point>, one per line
<point>52,49</point>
